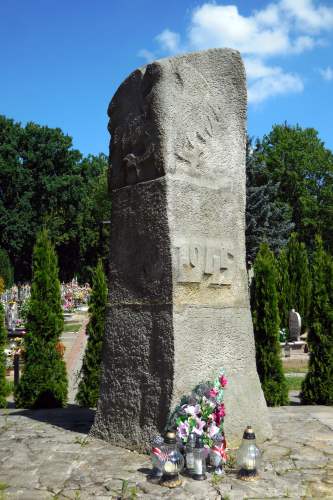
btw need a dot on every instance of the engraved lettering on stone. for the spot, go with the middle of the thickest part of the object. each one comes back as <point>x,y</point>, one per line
<point>196,261</point>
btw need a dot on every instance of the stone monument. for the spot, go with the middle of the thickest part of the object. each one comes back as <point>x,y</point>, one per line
<point>178,296</point>
<point>295,325</point>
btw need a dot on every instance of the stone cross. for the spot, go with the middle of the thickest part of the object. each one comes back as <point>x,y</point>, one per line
<point>295,325</point>
<point>178,306</point>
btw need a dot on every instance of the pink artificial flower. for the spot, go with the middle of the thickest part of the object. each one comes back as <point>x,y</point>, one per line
<point>213,393</point>
<point>191,409</point>
<point>200,424</point>
<point>213,430</point>
<point>223,380</point>
<point>183,429</point>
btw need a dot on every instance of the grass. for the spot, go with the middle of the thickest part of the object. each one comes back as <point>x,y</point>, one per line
<point>295,369</point>
<point>9,389</point>
<point>81,441</point>
<point>72,327</point>
<point>294,383</point>
<point>3,486</point>
<point>295,365</point>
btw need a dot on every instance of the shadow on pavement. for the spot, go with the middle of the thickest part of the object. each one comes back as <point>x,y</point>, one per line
<point>72,418</point>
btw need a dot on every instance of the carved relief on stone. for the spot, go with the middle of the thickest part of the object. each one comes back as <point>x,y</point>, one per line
<point>207,262</point>
<point>135,143</point>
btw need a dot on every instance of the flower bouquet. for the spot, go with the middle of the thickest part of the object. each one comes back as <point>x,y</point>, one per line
<point>202,413</point>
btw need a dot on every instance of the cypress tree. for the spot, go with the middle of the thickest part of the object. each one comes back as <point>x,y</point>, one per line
<point>329,278</point>
<point>299,279</point>
<point>3,339</point>
<point>88,391</point>
<point>6,269</point>
<point>44,381</point>
<point>283,288</point>
<point>317,387</point>
<point>266,323</point>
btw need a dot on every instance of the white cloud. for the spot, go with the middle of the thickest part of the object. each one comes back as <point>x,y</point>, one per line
<point>169,41</point>
<point>327,73</point>
<point>268,81</point>
<point>223,26</point>
<point>308,16</point>
<point>283,27</point>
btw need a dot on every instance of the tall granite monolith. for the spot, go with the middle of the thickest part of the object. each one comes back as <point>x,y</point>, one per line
<point>178,306</point>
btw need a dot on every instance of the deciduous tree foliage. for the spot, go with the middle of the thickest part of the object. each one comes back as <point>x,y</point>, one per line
<point>266,323</point>
<point>44,380</point>
<point>45,182</point>
<point>317,388</point>
<point>298,161</point>
<point>88,391</point>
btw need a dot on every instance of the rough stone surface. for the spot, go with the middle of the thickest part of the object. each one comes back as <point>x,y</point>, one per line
<point>47,455</point>
<point>178,307</point>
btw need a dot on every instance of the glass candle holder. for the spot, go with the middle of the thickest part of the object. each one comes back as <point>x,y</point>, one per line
<point>156,457</point>
<point>173,461</point>
<point>199,452</point>
<point>248,456</point>
<point>217,456</point>
<point>189,453</point>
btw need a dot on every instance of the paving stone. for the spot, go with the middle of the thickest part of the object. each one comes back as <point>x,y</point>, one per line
<point>39,459</point>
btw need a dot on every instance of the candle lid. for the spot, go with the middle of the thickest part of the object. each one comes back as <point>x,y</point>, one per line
<point>249,433</point>
<point>170,437</point>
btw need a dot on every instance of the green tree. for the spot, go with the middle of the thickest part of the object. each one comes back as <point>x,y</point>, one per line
<point>299,290</point>
<point>329,278</point>
<point>283,288</point>
<point>298,161</point>
<point>3,340</point>
<point>46,183</point>
<point>266,322</point>
<point>317,387</point>
<point>44,381</point>
<point>88,391</point>
<point>267,218</point>
<point>6,269</point>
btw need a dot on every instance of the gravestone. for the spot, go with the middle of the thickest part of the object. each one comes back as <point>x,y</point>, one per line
<point>178,296</point>
<point>11,316</point>
<point>295,325</point>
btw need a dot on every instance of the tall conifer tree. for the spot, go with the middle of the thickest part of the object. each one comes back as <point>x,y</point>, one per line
<point>44,381</point>
<point>317,388</point>
<point>88,391</point>
<point>3,338</point>
<point>299,295</point>
<point>266,323</point>
<point>283,288</point>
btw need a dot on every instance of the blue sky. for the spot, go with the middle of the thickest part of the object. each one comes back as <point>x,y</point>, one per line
<point>62,60</point>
